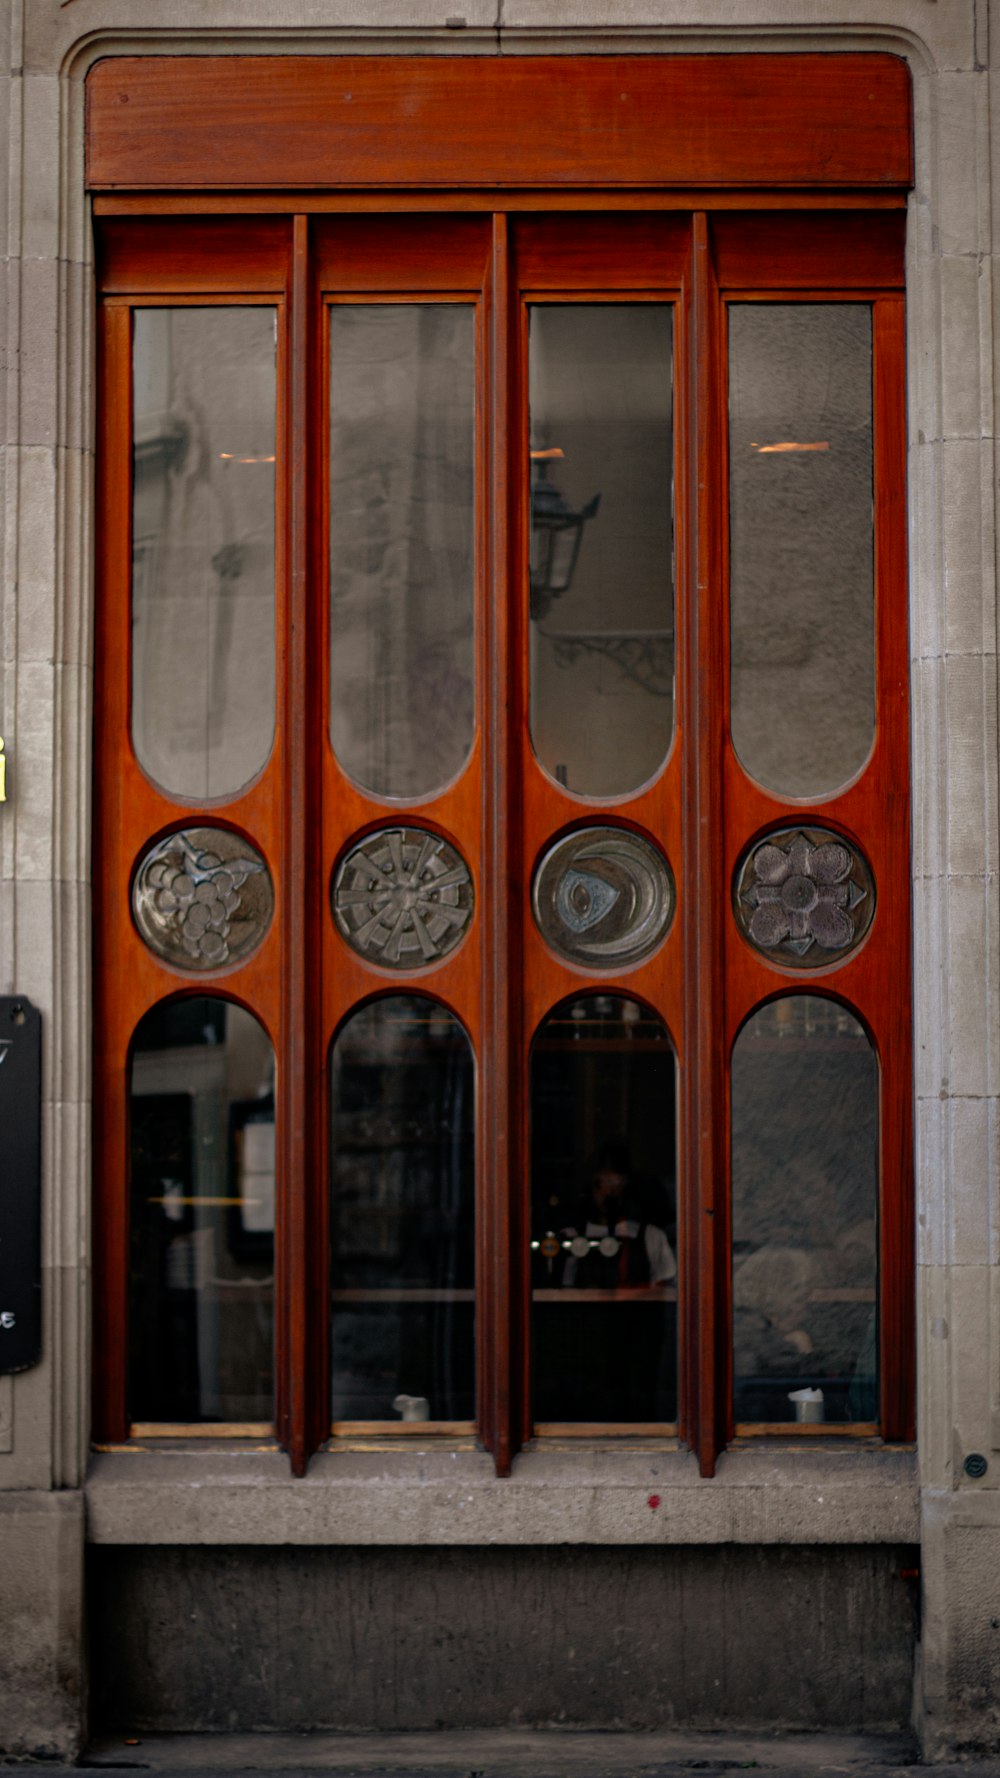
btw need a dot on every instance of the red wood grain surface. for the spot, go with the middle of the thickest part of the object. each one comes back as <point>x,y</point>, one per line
<point>152,124</point>
<point>703,1072</point>
<point>131,811</point>
<point>169,122</point>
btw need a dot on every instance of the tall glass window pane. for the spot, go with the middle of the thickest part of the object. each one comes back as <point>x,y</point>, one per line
<point>203,617</point>
<point>402,559</point>
<point>201,1265</point>
<point>602,642</point>
<point>805,1096</point>
<point>802,542</point>
<point>604,1215</point>
<point>402,1103</point>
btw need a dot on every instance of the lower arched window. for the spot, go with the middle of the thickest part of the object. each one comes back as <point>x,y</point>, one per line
<point>403,1217</point>
<point>202,1208</point>
<point>603,1218</point>
<point>805,1208</point>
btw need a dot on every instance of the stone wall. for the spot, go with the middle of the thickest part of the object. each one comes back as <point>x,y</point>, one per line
<point>605,1638</point>
<point>46,354</point>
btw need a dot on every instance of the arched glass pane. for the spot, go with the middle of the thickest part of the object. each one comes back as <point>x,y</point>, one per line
<point>805,1093</point>
<point>203,621</point>
<point>802,588</point>
<point>201,1263</point>
<point>604,1215</point>
<point>602,629</point>
<point>402,559</point>
<point>402,1128</point>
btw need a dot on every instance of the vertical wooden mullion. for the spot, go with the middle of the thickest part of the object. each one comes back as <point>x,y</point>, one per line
<point>294,1064</point>
<point>895,1036</point>
<point>703,1071</point>
<point>501,1307</point>
<point>316,1185</point>
<point>112,646</point>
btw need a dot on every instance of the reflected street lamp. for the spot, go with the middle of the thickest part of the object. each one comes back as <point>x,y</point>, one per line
<point>556,535</point>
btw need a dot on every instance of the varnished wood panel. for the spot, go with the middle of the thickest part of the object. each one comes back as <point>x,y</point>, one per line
<point>839,247</point>
<point>603,259</point>
<point>401,255</point>
<point>395,202</point>
<point>570,253</point>
<point>298,1079</point>
<point>129,812</point>
<point>872,811</point>
<point>164,257</point>
<point>162,122</point>
<point>357,259</point>
<point>503,809</point>
<point>704,1076</point>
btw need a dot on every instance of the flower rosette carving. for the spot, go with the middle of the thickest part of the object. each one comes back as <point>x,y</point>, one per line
<point>804,897</point>
<point>202,898</point>
<point>402,897</point>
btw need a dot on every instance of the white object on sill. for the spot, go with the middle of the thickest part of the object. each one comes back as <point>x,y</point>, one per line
<point>808,1404</point>
<point>413,1407</point>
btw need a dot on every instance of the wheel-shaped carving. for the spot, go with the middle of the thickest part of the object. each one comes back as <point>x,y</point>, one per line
<point>202,898</point>
<point>804,897</point>
<point>402,897</point>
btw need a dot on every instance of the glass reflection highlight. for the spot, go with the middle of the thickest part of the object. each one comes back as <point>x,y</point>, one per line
<point>201,1254</point>
<point>601,544</point>
<point>603,1215</point>
<point>203,685</point>
<point>805,1096</point>
<point>402,1109</point>
<point>402,557</point>
<point>802,586</point>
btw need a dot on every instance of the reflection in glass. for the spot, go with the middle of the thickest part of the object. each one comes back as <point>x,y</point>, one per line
<point>603,1215</point>
<point>201,1270</point>
<point>602,646</point>
<point>402,1099</point>
<point>805,1195</point>
<point>802,542</point>
<point>402,562</point>
<point>203,620</point>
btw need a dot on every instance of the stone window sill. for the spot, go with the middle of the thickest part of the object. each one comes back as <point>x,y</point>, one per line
<point>765,1491</point>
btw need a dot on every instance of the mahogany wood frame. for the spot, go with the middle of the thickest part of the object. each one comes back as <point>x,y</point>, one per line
<point>837,233</point>
<point>554,122</point>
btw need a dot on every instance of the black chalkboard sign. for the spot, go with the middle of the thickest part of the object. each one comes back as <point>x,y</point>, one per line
<point>20,1184</point>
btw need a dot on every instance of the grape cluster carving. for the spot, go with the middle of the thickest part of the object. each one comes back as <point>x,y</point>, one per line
<point>187,899</point>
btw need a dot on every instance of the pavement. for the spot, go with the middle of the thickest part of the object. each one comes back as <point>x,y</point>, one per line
<point>518,1753</point>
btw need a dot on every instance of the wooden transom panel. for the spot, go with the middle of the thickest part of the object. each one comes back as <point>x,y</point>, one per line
<point>248,122</point>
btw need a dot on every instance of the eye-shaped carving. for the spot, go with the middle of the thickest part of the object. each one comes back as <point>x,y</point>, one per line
<point>202,898</point>
<point>804,897</point>
<point>583,898</point>
<point>603,897</point>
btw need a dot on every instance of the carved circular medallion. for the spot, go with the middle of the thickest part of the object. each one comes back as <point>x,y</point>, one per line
<point>402,897</point>
<point>804,897</point>
<point>603,897</point>
<point>202,898</point>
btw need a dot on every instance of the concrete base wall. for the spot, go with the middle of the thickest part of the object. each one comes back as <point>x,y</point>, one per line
<point>299,1639</point>
<point>42,1694</point>
<point>958,1680</point>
